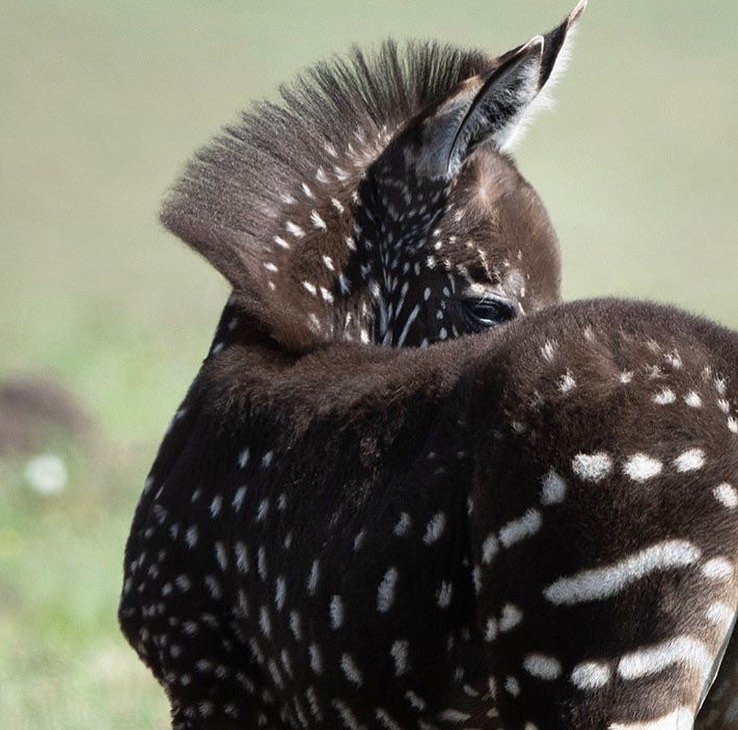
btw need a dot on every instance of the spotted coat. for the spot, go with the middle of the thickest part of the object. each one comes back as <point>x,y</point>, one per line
<point>531,527</point>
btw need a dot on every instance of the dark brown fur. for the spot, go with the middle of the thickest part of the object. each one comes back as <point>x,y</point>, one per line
<point>384,419</point>
<point>340,534</point>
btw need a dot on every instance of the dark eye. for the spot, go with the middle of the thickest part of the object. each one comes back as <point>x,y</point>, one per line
<point>490,310</point>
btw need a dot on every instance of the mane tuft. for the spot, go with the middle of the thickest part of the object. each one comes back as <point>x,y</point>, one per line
<point>333,121</point>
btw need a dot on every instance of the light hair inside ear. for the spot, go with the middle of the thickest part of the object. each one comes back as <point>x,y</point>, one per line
<point>544,100</point>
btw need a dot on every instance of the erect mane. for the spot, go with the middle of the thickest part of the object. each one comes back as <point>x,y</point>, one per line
<point>237,192</point>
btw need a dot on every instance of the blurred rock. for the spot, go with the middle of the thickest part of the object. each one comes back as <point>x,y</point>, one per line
<point>35,411</point>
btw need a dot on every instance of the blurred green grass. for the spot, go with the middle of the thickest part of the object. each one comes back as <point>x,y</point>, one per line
<point>101,104</point>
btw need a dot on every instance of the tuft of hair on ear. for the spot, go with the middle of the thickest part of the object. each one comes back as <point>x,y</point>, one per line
<point>557,53</point>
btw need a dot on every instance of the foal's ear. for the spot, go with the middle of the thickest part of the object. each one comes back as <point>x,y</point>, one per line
<point>512,92</point>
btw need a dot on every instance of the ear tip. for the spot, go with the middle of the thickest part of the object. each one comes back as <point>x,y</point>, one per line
<point>578,11</point>
<point>534,44</point>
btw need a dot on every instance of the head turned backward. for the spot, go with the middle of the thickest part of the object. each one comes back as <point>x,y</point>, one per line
<point>378,202</point>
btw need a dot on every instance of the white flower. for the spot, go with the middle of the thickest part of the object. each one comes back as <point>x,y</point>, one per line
<point>46,474</point>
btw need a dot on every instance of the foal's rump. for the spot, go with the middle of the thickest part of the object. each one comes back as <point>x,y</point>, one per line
<point>604,520</point>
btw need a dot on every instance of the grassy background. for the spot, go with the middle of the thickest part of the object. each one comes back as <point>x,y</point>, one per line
<point>101,102</point>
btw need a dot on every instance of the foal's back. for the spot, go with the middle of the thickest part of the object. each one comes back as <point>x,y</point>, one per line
<point>537,528</point>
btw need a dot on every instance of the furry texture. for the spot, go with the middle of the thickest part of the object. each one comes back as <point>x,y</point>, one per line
<point>320,211</point>
<point>236,191</point>
<point>282,551</point>
<point>340,534</point>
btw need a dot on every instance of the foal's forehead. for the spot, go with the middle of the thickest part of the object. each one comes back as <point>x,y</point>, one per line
<point>488,177</point>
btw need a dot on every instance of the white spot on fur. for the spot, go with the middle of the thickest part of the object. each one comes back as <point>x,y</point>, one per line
<point>316,659</point>
<point>416,702</point>
<point>408,323</point>
<point>336,612</point>
<point>726,495</point>
<point>294,229</point>
<point>674,359</point>
<point>435,528</point>
<point>542,667</point>
<point>512,686</point>
<point>296,625</point>
<point>642,467</point>
<point>351,671</point>
<point>590,675</point>
<point>567,383</point>
<point>511,617</point>
<point>490,632</point>
<point>693,400</point>
<point>261,563</point>
<point>221,556</point>
<point>490,547</point>
<point>548,351</point>
<point>312,581</point>
<point>191,536</point>
<point>684,650</point>
<point>262,510</point>
<point>386,591</point>
<point>265,622</point>
<point>592,467</point>
<point>399,651</point>
<point>718,569</point>
<point>720,614</point>
<point>243,457</point>
<point>524,527</point>
<point>690,460</point>
<point>317,221</point>
<point>600,583</point>
<point>238,498</point>
<point>455,716</point>
<point>386,719</point>
<point>553,489</point>
<point>280,593</point>
<point>444,594</point>
<point>403,525</point>
<point>665,397</point>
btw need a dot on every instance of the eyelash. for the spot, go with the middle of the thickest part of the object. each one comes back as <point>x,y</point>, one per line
<point>499,310</point>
